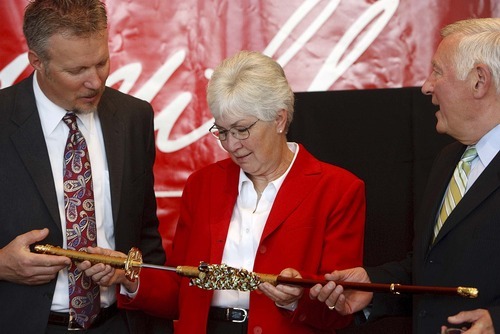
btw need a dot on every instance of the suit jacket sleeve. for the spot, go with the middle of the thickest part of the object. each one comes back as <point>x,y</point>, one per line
<point>386,304</point>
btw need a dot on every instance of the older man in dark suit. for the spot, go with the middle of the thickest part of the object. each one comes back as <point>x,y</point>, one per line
<point>68,48</point>
<point>457,229</point>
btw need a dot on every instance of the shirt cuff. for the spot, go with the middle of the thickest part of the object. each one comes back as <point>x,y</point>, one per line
<point>290,307</point>
<point>125,292</point>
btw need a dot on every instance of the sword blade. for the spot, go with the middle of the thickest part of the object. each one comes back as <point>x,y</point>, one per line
<point>155,266</point>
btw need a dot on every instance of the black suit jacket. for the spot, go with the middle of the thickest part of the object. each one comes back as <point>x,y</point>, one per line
<point>466,251</point>
<point>28,198</point>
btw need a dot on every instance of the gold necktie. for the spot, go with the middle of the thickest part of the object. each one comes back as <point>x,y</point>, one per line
<point>456,188</point>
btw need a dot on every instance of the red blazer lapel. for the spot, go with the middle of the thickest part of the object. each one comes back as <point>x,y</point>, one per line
<point>296,186</point>
<point>220,218</point>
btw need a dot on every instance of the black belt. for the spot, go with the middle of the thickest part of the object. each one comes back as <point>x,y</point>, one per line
<point>62,319</point>
<point>228,314</point>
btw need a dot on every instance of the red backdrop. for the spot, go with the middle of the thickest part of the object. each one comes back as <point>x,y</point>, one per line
<point>163,52</point>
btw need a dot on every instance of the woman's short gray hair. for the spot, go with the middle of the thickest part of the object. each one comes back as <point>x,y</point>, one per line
<point>250,83</point>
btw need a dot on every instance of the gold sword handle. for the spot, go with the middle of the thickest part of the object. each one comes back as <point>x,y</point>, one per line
<point>131,264</point>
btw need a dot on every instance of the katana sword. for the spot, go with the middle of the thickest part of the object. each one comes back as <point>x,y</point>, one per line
<point>223,277</point>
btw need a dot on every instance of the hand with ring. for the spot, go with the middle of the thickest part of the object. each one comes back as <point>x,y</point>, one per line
<point>344,302</point>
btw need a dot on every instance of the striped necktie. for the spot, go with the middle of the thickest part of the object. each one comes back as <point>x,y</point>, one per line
<point>456,188</point>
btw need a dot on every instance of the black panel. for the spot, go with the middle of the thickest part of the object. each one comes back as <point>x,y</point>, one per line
<point>387,138</point>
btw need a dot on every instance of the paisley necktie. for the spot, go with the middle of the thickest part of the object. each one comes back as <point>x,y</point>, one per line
<point>81,232</point>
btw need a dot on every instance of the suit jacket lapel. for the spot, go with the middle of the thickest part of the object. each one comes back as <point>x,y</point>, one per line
<point>113,132</point>
<point>488,181</point>
<point>436,187</point>
<point>30,144</point>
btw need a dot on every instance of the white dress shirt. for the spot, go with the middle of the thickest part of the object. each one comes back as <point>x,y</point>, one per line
<point>56,132</point>
<point>487,148</point>
<point>245,230</point>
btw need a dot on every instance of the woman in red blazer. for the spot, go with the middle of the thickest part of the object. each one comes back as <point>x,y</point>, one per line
<point>270,206</point>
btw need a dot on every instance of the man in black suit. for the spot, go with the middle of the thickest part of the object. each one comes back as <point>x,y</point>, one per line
<point>462,251</point>
<point>68,49</point>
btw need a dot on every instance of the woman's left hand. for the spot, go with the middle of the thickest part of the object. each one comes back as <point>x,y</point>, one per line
<point>283,295</point>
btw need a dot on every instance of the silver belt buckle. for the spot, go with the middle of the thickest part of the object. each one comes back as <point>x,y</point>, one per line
<point>245,314</point>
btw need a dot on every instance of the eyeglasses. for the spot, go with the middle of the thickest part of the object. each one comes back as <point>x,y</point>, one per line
<point>238,132</point>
